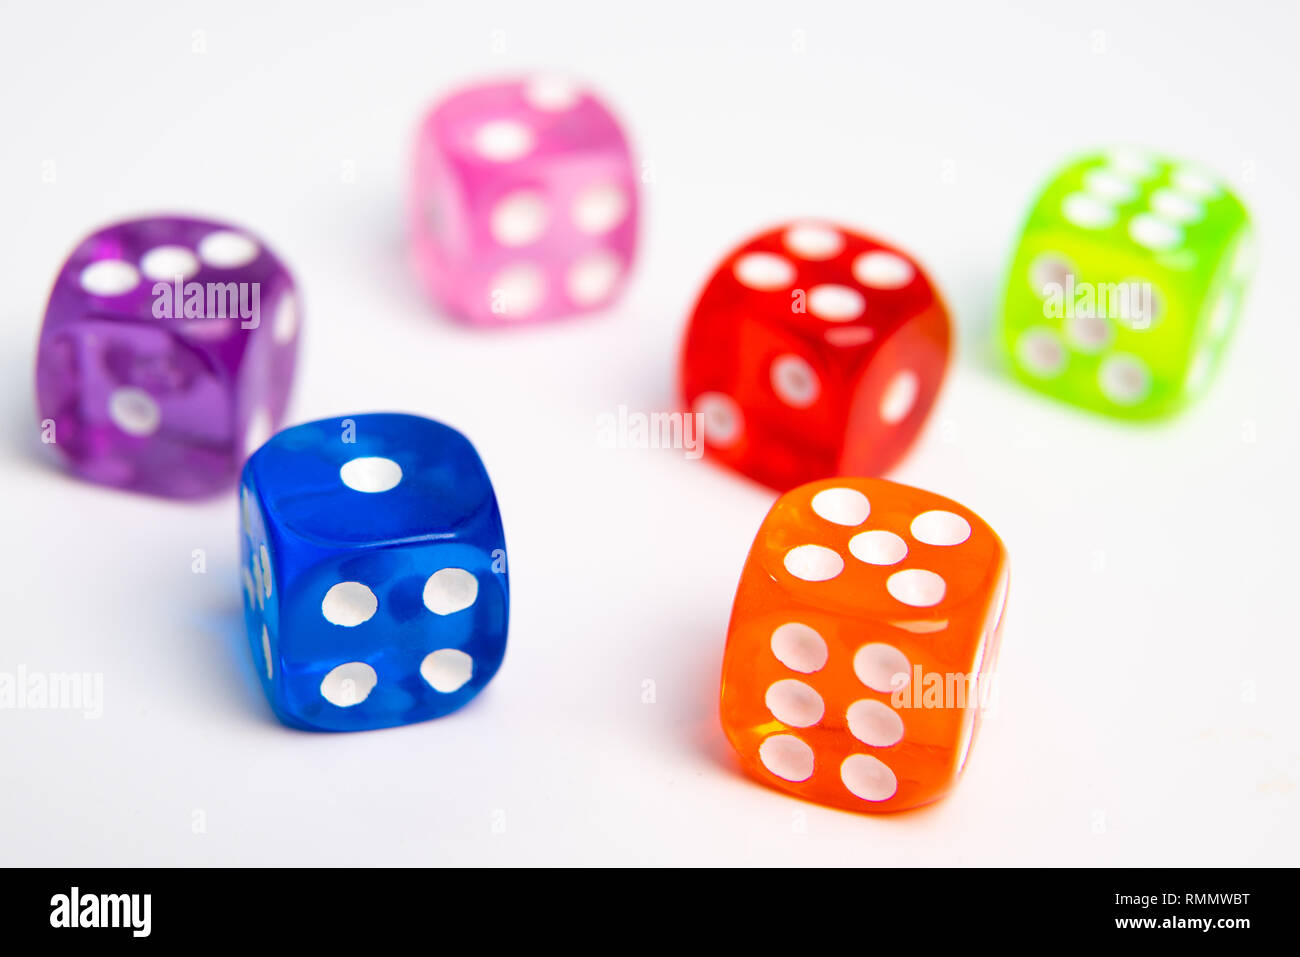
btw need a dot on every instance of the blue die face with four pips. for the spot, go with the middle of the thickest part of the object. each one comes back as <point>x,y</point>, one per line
<point>374,571</point>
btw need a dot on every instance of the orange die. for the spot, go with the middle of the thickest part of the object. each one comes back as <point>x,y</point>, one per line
<point>866,619</point>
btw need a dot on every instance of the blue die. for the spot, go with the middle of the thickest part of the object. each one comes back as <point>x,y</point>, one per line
<point>375,588</point>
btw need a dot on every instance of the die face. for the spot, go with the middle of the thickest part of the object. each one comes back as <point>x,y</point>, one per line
<point>376,478</point>
<point>893,394</point>
<point>524,203</point>
<point>167,352</point>
<point>1126,283</point>
<point>375,584</point>
<point>813,350</point>
<point>858,599</point>
<point>404,663</point>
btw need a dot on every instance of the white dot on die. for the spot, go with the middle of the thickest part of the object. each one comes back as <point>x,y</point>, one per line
<point>849,337</point>
<point>450,590</point>
<point>875,723</point>
<point>518,290</point>
<point>813,241</point>
<point>794,703</point>
<point>600,208</point>
<point>349,604</point>
<point>266,653</point>
<point>799,647</point>
<point>843,506</point>
<point>720,417</point>
<point>209,330</point>
<point>552,94</point>
<point>503,140</point>
<point>1195,182</point>
<point>226,249</point>
<point>1139,305</point>
<point>917,587</point>
<point>447,669</point>
<point>868,778</point>
<point>878,547</point>
<point>938,527</point>
<point>519,218</point>
<point>349,684</point>
<point>1124,379</point>
<point>835,303</point>
<point>787,757</point>
<point>109,277</point>
<point>1040,352</point>
<point>1087,211</point>
<point>257,581</point>
<point>1109,186</point>
<point>371,473</point>
<point>266,569</point>
<point>899,397</point>
<point>764,271</point>
<point>285,323</point>
<point>1049,269</point>
<point>168,262</point>
<point>794,381</point>
<point>813,563</point>
<point>882,667</point>
<point>592,278</point>
<point>1088,333</point>
<point>1154,233</point>
<point>1176,207</point>
<point>882,270</point>
<point>1133,162</point>
<point>134,411</point>
<point>249,589</point>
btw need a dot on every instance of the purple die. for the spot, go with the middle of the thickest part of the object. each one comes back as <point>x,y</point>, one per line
<point>155,370</point>
<point>523,202</point>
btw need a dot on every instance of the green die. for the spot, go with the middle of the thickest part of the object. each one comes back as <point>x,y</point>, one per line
<point>1126,283</point>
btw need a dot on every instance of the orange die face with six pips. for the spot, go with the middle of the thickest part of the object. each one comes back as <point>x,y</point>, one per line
<point>856,596</point>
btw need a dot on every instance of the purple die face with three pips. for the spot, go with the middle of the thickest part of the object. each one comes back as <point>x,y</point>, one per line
<point>166,355</point>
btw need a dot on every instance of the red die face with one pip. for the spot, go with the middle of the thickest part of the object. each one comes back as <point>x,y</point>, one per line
<point>865,628</point>
<point>814,351</point>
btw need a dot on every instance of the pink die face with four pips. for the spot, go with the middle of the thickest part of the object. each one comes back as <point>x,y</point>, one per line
<point>523,202</point>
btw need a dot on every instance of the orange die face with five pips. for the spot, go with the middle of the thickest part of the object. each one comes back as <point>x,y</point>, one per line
<point>864,629</point>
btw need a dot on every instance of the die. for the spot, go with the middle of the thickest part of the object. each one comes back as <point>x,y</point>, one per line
<point>523,202</point>
<point>814,351</point>
<point>155,370</point>
<point>374,572</point>
<point>1126,283</point>
<point>860,598</point>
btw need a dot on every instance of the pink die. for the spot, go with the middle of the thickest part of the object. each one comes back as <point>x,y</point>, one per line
<point>523,202</point>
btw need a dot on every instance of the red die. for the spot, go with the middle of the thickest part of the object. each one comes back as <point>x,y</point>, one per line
<point>814,351</point>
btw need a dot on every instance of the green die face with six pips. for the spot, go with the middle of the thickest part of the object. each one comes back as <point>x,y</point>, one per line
<point>1126,284</point>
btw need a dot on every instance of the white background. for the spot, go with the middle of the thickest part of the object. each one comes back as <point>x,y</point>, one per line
<point>1146,707</point>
